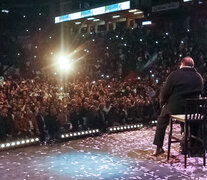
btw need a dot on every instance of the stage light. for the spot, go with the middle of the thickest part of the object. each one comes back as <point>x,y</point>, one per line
<point>125,44</point>
<point>63,62</point>
<point>5,11</point>
<point>114,129</point>
<point>27,141</point>
<point>40,29</point>
<point>97,130</point>
<point>18,54</point>
<point>8,145</point>
<point>96,20</point>
<point>2,145</point>
<point>82,133</point>
<point>78,133</point>
<point>140,40</point>
<point>182,42</point>
<point>18,142</point>
<point>188,30</point>
<point>166,33</point>
<point>117,36</point>
<point>156,42</point>
<point>111,129</point>
<point>83,35</point>
<point>139,78</point>
<point>23,142</point>
<point>35,57</point>
<point>122,128</point>
<point>122,38</point>
<point>117,16</point>
<point>50,37</point>
<point>71,135</point>
<point>27,30</point>
<point>37,139</point>
<point>132,126</point>
<point>61,88</point>
<point>90,131</point>
<point>24,16</point>
<point>77,23</point>
<point>135,126</point>
<point>93,131</point>
<point>40,14</point>
<point>13,144</point>
<point>125,127</point>
<point>91,18</point>
<point>32,140</point>
<point>62,136</point>
<point>74,134</point>
<point>86,132</point>
<point>138,12</point>
<point>35,47</point>
<point>66,135</point>
<point>133,10</point>
<point>93,40</point>
<point>107,76</point>
<point>144,23</point>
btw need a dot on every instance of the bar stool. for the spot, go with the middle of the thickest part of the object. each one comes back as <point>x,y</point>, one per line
<point>195,114</point>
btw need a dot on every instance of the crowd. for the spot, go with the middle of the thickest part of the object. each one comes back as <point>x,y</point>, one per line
<point>42,106</point>
<point>103,92</point>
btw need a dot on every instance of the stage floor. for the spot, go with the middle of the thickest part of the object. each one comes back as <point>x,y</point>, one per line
<point>125,155</point>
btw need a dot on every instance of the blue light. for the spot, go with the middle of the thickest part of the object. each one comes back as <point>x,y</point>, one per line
<point>87,165</point>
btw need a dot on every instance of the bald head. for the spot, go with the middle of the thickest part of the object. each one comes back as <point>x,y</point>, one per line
<point>187,61</point>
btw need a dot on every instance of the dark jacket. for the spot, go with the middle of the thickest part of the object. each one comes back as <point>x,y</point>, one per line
<point>181,84</point>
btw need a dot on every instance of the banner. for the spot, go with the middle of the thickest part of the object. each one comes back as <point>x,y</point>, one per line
<point>164,7</point>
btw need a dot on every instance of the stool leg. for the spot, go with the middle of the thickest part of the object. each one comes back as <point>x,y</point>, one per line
<point>169,139</point>
<point>204,143</point>
<point>185,143</point>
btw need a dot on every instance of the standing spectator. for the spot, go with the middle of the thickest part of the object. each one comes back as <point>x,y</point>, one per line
<point>52,124</point>
<point>43,132</point>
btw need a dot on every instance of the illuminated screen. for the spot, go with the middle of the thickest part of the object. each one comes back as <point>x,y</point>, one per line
<point>93,12</point>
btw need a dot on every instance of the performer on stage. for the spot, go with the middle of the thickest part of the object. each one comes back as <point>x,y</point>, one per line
<point>183,83</point>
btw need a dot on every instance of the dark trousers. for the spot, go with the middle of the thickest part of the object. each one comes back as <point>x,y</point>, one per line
<point>162,123</point>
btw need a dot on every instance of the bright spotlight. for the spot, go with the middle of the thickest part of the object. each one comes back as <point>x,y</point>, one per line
<point>64,63</point>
